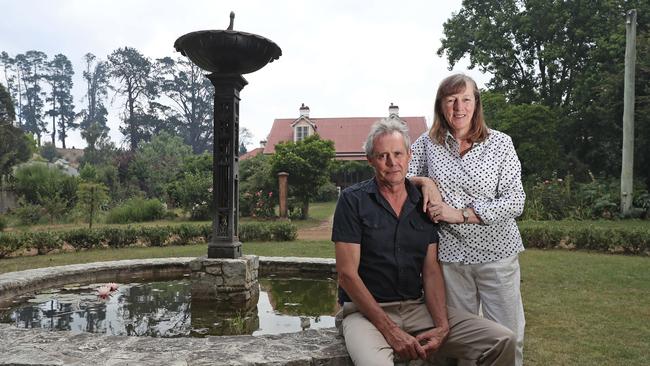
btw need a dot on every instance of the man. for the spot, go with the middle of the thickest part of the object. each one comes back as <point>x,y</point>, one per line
<point>392,288</point>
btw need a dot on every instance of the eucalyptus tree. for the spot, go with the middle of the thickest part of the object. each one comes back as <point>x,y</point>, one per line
<point>59,76</point>
<point>31,68</point>
<point>190,93</point>
<point>94,116</point>
<point>13,87</point>
<point>133,73</point>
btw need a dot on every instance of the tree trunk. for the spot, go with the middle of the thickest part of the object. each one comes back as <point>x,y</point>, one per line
<point>305,208</point>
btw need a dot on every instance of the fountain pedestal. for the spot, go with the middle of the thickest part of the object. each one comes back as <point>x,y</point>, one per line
<point>226,285</point>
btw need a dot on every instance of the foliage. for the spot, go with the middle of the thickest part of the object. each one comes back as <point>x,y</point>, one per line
<point>27,213</point>
<point>3,222</point>
<point>534,130</point>
<point>47,186</point>
<point>158,163</point>
<point>568,57</point>
<point>7,111</point>
<point>93,117</point>
<point>307,163</point>
<point>154,236</point>
<point>91,198</point>
<point>136,210</point>
<point>558,199</point>
<point>16,147</point>
<point>326,192</point>
<point>255,175</point>
<point>191,93</point>
<point>345,173</point>
<point>193,192</point>
<point>49,152</point>
<point>59,76</point>
<point>192,188</point>
<point>132,71</point>
<point>258,204</point>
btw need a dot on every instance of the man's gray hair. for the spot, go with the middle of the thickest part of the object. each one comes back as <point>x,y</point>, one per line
<point>383,127</point>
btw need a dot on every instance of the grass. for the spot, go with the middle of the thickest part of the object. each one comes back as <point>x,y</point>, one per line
<point>321,249</point>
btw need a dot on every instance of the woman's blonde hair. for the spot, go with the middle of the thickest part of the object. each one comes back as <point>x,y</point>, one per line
<point>453,84</point>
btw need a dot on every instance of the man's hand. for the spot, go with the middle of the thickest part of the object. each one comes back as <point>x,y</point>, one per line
<point>405,345</point>
<point>432,339</point>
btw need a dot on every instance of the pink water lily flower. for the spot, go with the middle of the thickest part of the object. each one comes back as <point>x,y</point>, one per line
<point>112,286</point>
<point>103,292</point>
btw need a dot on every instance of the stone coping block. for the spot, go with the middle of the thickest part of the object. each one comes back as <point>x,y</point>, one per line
<point>38,347</point>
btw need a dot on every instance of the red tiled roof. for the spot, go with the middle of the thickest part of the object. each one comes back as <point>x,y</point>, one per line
<point>348,134</point>
<point>252,153</point>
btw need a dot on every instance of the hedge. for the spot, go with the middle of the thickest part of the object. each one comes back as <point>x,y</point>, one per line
<point>119,237</point>
<point>627,240</point>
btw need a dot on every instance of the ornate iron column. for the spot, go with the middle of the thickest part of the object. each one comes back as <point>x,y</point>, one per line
<point>225,173</point>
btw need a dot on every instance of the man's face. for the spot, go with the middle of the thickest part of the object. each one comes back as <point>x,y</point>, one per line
<point>390,158</point>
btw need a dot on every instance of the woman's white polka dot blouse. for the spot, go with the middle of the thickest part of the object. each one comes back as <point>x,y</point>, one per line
<point>488,179</point>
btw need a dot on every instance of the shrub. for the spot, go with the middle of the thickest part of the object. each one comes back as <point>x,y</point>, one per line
<point>3,223</point>
<point>252,231</point>
<point>120,237</point>
<point>9,243</point>
<point>44,242</point>
<point>136,210</point>
<point>284,231</point>
<point>28,214</point>
<point>82,238</point>
<point>155,236</point>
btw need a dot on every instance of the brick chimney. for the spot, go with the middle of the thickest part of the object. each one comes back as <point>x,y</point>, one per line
<point>304,111</point>
<point>393,111</point>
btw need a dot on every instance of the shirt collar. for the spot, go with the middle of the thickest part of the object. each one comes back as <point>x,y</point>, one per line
<point>412,191</point>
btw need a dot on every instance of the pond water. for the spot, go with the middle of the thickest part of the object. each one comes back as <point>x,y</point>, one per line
<point>164,309</point>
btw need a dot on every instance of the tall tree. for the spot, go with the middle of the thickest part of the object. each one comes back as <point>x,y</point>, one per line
<point>93,117</point>
<point>16,147</point>
<point>7,112</point>
<point>307,163</point>
<point>59,76</point>
<point>133,72</point>
<point>191,95</point>
<point>31,67</point>
<point>13,86</point>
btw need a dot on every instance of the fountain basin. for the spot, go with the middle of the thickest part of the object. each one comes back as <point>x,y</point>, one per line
<point>37,347</point>
<point>227,51</point>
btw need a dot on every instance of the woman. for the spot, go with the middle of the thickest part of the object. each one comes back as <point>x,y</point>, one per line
<point>478,175</point>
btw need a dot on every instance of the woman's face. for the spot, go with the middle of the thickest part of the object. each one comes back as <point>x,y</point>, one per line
<point>459,109</point>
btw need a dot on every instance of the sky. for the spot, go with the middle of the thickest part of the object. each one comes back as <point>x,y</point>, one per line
<point>341,58</point>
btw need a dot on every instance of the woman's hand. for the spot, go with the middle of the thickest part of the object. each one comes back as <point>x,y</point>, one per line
<point>430,193</point>
<point>440,211</point>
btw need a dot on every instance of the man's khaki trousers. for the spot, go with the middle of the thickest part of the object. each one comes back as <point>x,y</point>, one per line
<point>479,340</point>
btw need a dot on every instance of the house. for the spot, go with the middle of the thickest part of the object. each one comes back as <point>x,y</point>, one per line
<point>348,133</point>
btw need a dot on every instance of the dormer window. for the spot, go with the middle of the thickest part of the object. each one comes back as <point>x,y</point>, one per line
<point>301,132</point>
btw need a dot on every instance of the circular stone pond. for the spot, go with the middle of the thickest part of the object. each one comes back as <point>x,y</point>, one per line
<point>283,307</point>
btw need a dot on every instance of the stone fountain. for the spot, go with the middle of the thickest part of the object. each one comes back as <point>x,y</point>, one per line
<point>225,277</point>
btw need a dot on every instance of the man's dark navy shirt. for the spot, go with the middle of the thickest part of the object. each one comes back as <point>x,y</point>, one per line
<point>392,248</point>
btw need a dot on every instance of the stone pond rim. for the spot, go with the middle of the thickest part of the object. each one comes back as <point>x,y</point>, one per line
<point>227,51</point>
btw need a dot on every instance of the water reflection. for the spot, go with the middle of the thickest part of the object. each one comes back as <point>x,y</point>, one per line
<point>165,309</point>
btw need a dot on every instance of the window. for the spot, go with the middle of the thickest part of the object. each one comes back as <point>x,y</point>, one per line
<point>301,133</point>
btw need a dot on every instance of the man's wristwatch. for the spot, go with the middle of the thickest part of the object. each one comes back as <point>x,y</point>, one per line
<point>465,215</point>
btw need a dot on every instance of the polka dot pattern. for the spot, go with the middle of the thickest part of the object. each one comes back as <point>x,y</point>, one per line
<point>488,179</point>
